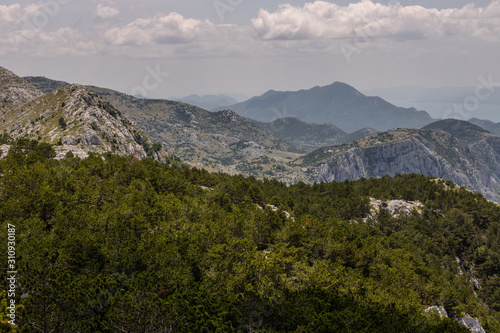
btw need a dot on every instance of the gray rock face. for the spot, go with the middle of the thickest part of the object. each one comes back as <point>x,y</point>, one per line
<point>472,324</point>
<point>15,91</point>
<point>394,207</point>
<point>430,153</point>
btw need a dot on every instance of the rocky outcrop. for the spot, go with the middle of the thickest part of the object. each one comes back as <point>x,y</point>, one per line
<point>73,118</point>
<point>15,91</point>
<point>394,207</point>
<point>472,324</point>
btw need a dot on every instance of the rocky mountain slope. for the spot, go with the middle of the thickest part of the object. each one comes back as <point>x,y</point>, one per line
<point>472,164</point>
<point>77,120</point>
<point>338,104</point>
<point>15,91</point>
<point>222,141</point>
<point>217,141</point>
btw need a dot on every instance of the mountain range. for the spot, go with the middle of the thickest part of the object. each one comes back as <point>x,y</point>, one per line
<point>218,141</point>
<point>288,149</point>
<point>140,243</point>
<point>338,104</point>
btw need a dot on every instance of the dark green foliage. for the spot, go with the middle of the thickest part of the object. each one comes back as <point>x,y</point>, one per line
<point>110,244</point>
<point>62,123</point>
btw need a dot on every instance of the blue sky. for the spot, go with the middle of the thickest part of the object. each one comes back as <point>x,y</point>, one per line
<point>173,48</point>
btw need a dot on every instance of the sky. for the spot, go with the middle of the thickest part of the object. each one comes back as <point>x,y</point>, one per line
<point>174,48</point>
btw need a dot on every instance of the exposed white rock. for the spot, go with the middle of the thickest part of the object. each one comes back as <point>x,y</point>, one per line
<point>440,309</point>
<point>394,207</point>
<point>4,150</point>
<point>472,324</point>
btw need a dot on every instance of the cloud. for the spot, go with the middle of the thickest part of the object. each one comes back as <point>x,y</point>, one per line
<point>106,12</point>
<point>160,29</point>
<point>321,19</point>
<point>13,16</point>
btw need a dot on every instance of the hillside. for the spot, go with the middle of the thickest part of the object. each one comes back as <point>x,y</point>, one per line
<point>78,120</point>
<point>474,164</point>
<point>44,84</point>
<point>15,91</point>
<point>219,141</point>
<point>305,136</point>
<point>357,135</point>
<point>117,244</point>
<point>465,131</point>
<point>338,104</point>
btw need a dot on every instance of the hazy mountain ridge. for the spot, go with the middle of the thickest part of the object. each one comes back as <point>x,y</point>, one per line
<point>207,102</point>
<point>225,141</point>
<point>338,104</point>
<point>306,136</point>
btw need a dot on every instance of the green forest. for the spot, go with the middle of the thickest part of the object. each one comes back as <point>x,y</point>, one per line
<point>118,244</point>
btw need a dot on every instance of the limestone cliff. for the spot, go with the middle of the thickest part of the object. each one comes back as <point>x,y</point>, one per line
<point>431,153</point>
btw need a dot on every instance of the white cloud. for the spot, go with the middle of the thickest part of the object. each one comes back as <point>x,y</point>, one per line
<point>160,29</point>
<point>106,12</point>
<point>13,16</point>
<point>321,19</point>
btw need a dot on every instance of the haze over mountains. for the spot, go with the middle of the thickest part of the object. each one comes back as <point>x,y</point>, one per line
<point>441,102</point>
<point>289,149</point>
<point>207,102</point>
<point>338,104</point>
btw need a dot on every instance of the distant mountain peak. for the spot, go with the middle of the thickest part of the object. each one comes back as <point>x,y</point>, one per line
<point>338,103</point>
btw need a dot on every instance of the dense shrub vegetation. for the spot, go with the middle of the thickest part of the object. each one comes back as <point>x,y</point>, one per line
<point>115,244</point>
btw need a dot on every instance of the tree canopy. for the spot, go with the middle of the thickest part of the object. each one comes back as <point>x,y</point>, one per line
<point>116,244</point>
